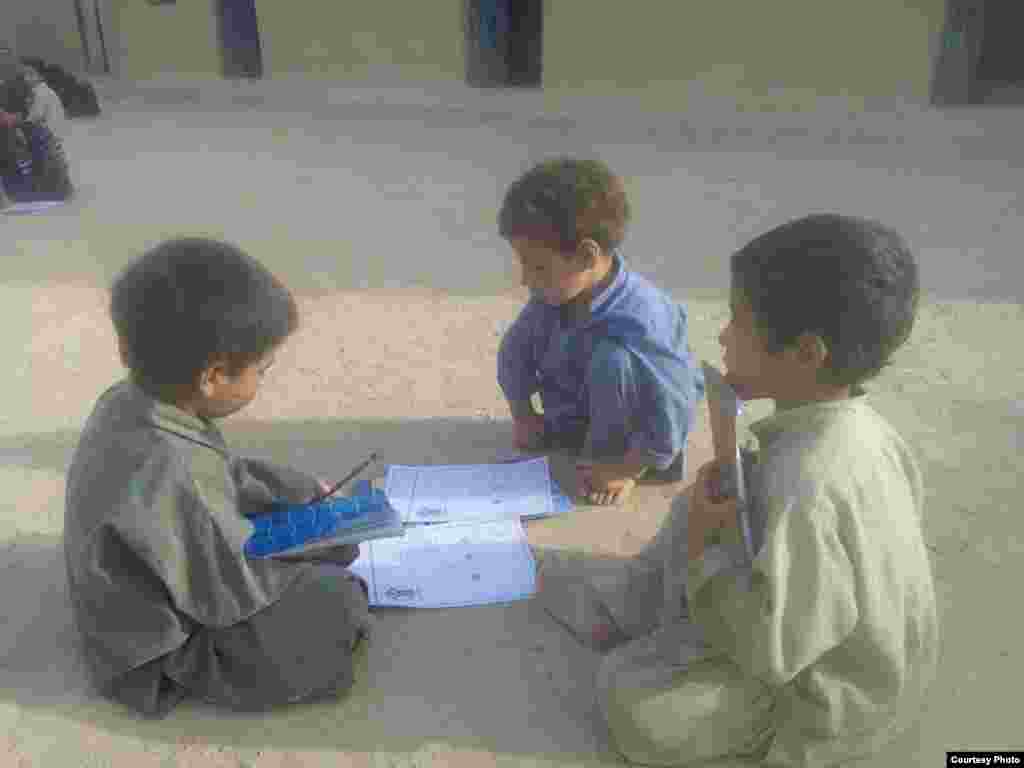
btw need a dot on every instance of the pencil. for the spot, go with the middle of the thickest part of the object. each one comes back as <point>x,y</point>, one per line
<point>359,468</point>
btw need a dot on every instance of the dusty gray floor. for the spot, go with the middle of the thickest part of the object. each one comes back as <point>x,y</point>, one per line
<point>360,184</point>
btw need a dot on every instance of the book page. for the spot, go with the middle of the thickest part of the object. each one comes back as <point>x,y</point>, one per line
<point>463,492</point>
<point>456,564</point>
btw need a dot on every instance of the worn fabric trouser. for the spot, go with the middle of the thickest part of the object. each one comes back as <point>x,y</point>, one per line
<point>614,409</point>
<point>268,660</point>
<point>574,442</point>
<point>667,697</point>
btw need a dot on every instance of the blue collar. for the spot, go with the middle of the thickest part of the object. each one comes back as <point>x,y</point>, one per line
<point>577,312</point>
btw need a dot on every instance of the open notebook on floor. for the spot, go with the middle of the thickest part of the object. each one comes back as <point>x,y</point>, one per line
<point>453,533</point>
<point>449,565</point>
<point>509,490</point>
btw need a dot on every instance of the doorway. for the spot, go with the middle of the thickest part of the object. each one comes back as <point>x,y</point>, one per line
<point>239,35</point>
<point>504,43</point>
<point>981,60</point>
<point>1000,69</point>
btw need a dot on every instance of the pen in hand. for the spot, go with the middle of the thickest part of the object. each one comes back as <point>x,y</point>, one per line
<point>359,468</point>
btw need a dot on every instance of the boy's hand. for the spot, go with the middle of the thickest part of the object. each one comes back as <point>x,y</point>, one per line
<point>709,511</point>
<point>323,487</point>
<point>528,432</point>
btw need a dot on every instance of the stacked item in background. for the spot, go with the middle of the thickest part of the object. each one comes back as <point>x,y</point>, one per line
<point>78,96</point>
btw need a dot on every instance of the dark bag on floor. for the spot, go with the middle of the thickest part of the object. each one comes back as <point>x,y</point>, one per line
<point>77,96</point>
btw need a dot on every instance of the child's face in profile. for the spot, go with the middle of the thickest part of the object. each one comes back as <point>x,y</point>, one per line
<point>551,276</point>
<point>790,376</point>
<point>743,351</point>
<point>221,393</point>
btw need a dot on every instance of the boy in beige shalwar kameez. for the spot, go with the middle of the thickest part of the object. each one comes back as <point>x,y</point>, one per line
<point>823,649</point>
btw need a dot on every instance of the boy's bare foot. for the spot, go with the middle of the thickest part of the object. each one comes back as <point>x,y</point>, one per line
<point>605,484</point>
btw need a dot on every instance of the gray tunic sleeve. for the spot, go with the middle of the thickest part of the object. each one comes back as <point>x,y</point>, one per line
<point>190,535</point>
<point>261,483</point>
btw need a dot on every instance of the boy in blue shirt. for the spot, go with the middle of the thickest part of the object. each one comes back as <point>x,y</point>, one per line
<point>605,350</point>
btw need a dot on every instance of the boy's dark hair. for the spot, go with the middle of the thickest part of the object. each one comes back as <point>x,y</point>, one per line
<point>564,200</point>
<point>852,281</point>
<point>189,302</point>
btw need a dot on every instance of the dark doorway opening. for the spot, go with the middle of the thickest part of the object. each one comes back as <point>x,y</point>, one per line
<point>504,43</point>
<point>1000,71</point>
<point>981,60</point>
<point>239,33</point>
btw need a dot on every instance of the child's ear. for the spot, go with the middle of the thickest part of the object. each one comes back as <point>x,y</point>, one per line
<point>211,376</point>
<point>588,253</point>
<point>813,350</point>
<point>122,352</point>
<point>206,381</point>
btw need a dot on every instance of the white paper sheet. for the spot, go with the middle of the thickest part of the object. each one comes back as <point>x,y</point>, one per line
<point>450,565</point>
<point>463,492</point>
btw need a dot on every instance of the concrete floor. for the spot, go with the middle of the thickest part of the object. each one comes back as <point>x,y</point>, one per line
<point>453,139</point>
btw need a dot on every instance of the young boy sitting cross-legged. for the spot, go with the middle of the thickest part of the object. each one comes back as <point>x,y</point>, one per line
<point>165,601</point>
<point>604,348</point>
<point>823,648</point>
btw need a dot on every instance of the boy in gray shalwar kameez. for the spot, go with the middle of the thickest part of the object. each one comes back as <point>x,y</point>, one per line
<point>165,602</point>
<point>822,649</point>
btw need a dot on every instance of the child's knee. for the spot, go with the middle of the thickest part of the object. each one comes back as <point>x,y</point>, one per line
<point>670,714</point>
<point>621,706</point>
<point>352,600</point>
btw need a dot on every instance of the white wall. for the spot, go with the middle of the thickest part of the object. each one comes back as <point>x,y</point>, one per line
<point>417,40</point>
<point>147,41</point>
<point>775,54</point>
